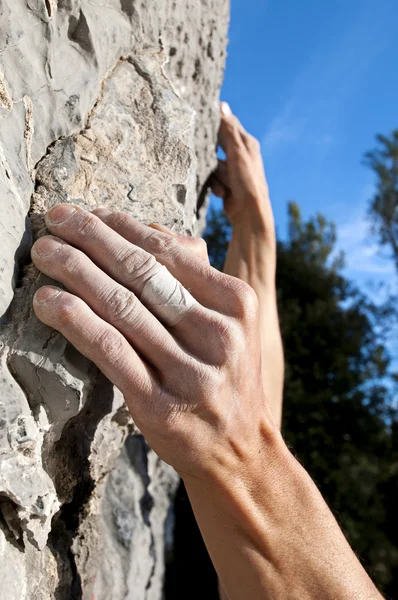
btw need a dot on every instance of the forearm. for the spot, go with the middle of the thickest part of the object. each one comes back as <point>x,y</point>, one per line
<point>270,533</point>
<point>251,257</point>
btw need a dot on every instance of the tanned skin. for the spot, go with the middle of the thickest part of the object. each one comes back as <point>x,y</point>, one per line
<point>204,392</point>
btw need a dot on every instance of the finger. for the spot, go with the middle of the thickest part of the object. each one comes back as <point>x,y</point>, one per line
<point>133,266</point>
<point>230,134</point>
<point>233,137</point>
<point>95,339</point>
<point>211,288</point>
<point>109,300</point>
<point>195,244</point>
<point>226,113</point>
<point>129,265</point>
<point>218,189</point>
<point>163,228</point>
<point>221,173</point>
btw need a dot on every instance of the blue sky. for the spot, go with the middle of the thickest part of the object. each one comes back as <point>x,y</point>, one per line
<point>314,82</point>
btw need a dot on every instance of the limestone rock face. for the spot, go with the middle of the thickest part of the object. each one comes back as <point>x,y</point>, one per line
<point>102,102</point>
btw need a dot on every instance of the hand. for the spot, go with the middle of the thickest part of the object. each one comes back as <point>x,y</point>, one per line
<point>251,254</point>
<point>190,371</point>
<point>240,179</point>
<point>193,381</point>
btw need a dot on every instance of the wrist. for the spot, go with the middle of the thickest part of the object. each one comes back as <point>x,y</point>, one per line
<point>256,212</point>
<point>242,465</point>
<point>256,218</point>
<point>255,225</point>
<point>251,252</point>
<point>280,533</point>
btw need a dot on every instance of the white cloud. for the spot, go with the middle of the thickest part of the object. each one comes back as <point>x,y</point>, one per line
<point>281,131</point>
<point>362,253</point>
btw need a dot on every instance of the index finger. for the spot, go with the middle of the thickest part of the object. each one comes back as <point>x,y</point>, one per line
<point>130,265</point>
<point>231,133</point>
<point>132,253</point>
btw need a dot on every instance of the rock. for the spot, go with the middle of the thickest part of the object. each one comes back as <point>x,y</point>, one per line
<point>102,102</point>
<point>134,524</point>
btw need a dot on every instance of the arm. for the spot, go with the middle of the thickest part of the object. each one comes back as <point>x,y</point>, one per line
<point>191,374</point>
<point>251,256</point>
<point>274,537</point>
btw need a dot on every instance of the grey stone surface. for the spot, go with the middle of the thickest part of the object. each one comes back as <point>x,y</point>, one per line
<point>134,523</point>
<point>102,102</point>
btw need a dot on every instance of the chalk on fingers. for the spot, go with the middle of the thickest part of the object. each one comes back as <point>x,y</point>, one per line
<point>226,109</point>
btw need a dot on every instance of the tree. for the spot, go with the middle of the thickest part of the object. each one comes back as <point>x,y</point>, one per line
<point>337,401</point>
<point>383,209</point>
<point>338,415</point>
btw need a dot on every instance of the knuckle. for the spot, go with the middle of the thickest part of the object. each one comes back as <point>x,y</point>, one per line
<point>253,144</point>
<point>117,220</point>
<point>134,264</point>
<point>109,343</point>
<point>231,127</point>
<point>87,224</point>
<point>224,333</point>
<point>245,301</point>
<point>120,303</point>
<point>200,244</point>
<point>162,244</point>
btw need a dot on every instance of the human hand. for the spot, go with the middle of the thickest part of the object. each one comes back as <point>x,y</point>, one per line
<point>251,254</point>
<point>240,179</point>
<point>189,371</point>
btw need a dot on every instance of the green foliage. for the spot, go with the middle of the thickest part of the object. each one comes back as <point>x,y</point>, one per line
<point>383,210</point>
<point>338,415</point>
<point>315,238</point>
<point>217,235</point>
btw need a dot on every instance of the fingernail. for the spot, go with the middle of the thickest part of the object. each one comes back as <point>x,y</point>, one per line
<point>60,213</point>
<point>101,212</point>
<point>46,246</point>
<point>226,109</point>
<point>45,294</point>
